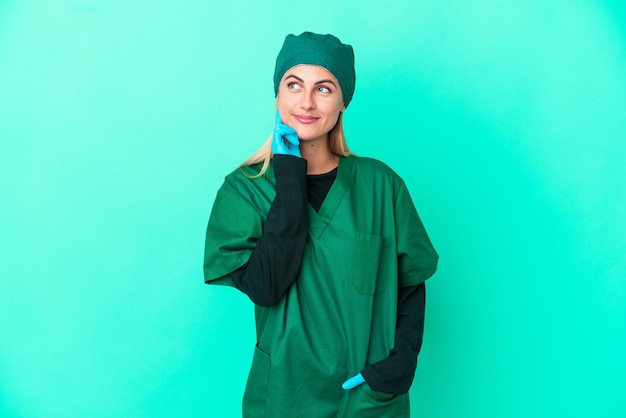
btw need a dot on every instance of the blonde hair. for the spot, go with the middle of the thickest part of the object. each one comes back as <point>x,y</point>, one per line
<point>336,142</point>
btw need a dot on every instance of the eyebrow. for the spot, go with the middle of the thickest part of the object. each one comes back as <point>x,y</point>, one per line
<point>316,83</point>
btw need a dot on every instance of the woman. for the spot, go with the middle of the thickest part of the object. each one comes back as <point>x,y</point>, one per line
<point>330,249</point>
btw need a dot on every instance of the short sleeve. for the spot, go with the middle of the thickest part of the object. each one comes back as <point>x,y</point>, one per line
<point>417,258</point>
<point>234,229</point>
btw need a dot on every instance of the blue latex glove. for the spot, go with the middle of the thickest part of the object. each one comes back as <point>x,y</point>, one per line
<point>286,139</point>
<point>353,382</point>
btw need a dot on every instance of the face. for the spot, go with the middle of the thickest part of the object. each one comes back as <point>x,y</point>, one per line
<point>310,100</point>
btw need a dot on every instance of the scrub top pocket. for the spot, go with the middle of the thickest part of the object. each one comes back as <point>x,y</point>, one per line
<point>370,252</point>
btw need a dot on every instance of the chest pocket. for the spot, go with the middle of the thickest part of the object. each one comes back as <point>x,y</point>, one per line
<point>370,258</point>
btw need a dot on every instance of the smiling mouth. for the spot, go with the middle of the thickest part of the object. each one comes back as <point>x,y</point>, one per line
<point>305,119</point>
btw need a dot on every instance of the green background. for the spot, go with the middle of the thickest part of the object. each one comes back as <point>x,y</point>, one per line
<point>119,120</point>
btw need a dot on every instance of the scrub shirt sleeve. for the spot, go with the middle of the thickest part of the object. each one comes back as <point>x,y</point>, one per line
<point>234,229</point>
<point>417,258</point>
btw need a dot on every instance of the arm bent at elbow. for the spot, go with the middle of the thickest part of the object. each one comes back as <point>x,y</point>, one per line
<point>275,262</point>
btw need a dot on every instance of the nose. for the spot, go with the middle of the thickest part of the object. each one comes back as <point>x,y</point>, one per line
<point>307,100</point>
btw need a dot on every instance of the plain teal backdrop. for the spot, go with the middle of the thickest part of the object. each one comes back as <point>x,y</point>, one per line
<point>119,120</point>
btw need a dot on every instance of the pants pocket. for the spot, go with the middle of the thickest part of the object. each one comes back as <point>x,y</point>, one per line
<point>255,396</point>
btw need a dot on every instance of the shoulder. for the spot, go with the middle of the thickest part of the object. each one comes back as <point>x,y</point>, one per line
<point>246,176</point>
<point>246,186</point>
<point>244,172</point>
<point>367,166</point>
<point>375,175</point>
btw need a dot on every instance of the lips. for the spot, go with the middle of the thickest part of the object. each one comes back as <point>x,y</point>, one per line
<point>306,120</point>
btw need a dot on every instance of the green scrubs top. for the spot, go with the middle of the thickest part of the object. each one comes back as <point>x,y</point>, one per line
<point>340,314</point>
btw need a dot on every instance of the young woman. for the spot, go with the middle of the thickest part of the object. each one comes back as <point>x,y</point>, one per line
<point>330,249</point>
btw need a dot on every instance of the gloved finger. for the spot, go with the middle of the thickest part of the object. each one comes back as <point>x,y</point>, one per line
<point>353,382</point>
<point>279,121</point>
<point>283,130</point>
<point>292,138</point>
<point>286,133</point>
<point>279,133</point>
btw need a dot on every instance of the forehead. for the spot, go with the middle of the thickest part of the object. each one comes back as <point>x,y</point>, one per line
<point>309,72</point>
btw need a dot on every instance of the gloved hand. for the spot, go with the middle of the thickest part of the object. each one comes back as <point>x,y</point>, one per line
<point>353,382</point>
<point>393,374</point>
<point>285,139</point>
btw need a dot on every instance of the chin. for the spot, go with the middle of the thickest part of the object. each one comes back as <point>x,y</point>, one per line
<point>306,135</point>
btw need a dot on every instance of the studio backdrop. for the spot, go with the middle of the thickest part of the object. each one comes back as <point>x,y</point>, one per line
<point>120,119</point>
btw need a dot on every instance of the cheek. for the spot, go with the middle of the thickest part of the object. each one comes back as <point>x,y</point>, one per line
<point>335,106</point>
<point>283,103</point>
<point>282,108</point>
<point>334,113</point>
<point>279,102</point>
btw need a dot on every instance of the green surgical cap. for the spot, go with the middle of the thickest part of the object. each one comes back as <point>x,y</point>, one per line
<point>324,50</point>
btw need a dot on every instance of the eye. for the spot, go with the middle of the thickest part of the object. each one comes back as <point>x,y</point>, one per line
<point>323,89</point>
<point>292,85</point>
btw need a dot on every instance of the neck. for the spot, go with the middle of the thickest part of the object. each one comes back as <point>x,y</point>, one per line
<point>319,158</point>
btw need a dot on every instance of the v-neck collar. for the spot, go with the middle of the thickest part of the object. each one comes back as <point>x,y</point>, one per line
<point>318,221</point>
